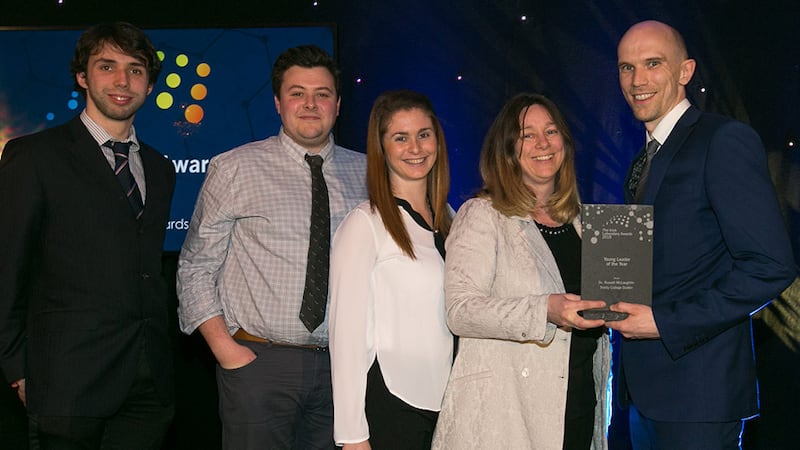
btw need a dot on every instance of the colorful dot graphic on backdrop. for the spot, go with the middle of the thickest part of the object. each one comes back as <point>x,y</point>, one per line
<point>192,112</point>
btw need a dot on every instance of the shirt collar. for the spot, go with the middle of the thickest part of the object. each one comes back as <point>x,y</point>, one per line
<point>414,215</point>
<point>102,136</point>
<point>438,240</point>
<point>299,152</point>
<point>665,126</point>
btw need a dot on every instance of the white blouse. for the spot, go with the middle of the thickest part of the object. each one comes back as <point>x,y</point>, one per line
<point>385,305</point>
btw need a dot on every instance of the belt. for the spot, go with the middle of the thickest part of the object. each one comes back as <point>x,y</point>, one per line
<point>245,336</point>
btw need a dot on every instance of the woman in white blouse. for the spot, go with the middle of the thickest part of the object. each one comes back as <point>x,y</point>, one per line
<point>391,351</point>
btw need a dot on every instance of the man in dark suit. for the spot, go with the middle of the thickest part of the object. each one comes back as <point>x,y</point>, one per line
<point>721,252</point>
<point>84,334</point>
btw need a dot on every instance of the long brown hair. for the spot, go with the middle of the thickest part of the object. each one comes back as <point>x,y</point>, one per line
<point>501,171</point>
<point>378,184</point>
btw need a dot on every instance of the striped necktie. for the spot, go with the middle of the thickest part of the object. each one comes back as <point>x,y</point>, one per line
<point>122,170</point>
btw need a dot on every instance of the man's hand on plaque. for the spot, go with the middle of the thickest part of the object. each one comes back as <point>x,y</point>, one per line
<point>640,323</point>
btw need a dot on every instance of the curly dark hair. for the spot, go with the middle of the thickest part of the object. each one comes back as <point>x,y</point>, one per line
<point>121,35</point>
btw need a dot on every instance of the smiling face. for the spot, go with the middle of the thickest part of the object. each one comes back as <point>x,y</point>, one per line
<point>409,146</point>
<point>540,150</point>
<point>117,85</point>
<point>653,71</point>
<point>308,106</point>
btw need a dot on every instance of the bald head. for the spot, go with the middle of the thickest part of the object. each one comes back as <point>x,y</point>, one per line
<point>654,70</point>
<point>670,36</point>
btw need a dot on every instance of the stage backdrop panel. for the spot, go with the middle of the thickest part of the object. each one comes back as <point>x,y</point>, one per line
<point>214,93</point>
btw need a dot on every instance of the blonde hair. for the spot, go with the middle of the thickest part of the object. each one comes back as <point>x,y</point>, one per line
<point>501,171</point>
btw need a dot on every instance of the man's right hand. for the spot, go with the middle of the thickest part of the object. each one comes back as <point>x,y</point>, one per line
<point>235,356</point>
<point>19,385</point>
<point>229,353</point>
<point>640,323</point>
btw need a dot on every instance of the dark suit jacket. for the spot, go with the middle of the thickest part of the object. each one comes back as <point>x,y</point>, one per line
<point>81,288</point>
<point>721,251</point>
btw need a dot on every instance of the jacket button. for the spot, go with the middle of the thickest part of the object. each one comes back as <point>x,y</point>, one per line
<point>525,372</point>
<point>524,335</point>
<point>145,276</point>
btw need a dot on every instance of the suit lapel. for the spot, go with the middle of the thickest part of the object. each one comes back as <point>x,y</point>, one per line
<point>156,185</point>
<point>662,160</point>
<point>89,159</point>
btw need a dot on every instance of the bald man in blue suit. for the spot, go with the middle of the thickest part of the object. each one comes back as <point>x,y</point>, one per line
<point>721,251</point>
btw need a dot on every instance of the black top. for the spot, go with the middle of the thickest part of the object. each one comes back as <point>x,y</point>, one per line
<point>438,240</point>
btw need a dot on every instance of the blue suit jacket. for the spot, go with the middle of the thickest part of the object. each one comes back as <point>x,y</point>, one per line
<point>721,251</point>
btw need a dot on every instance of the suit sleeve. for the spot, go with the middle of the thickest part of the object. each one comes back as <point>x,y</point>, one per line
<point>21,200</point>
<point>744,204</point>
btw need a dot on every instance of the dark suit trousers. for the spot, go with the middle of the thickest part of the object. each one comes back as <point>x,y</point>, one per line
<point>648,434</point>
<point>140,424</point>
<point>281,400</point>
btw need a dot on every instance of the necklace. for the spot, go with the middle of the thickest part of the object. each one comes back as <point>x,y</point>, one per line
<point>552,231</point>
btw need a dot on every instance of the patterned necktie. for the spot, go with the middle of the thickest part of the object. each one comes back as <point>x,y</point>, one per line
<point>650,151</point>
<point>123,172</point>
<point>315,295</point>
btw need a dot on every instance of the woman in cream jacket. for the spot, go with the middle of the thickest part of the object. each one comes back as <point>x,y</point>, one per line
<point>512,255</point>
